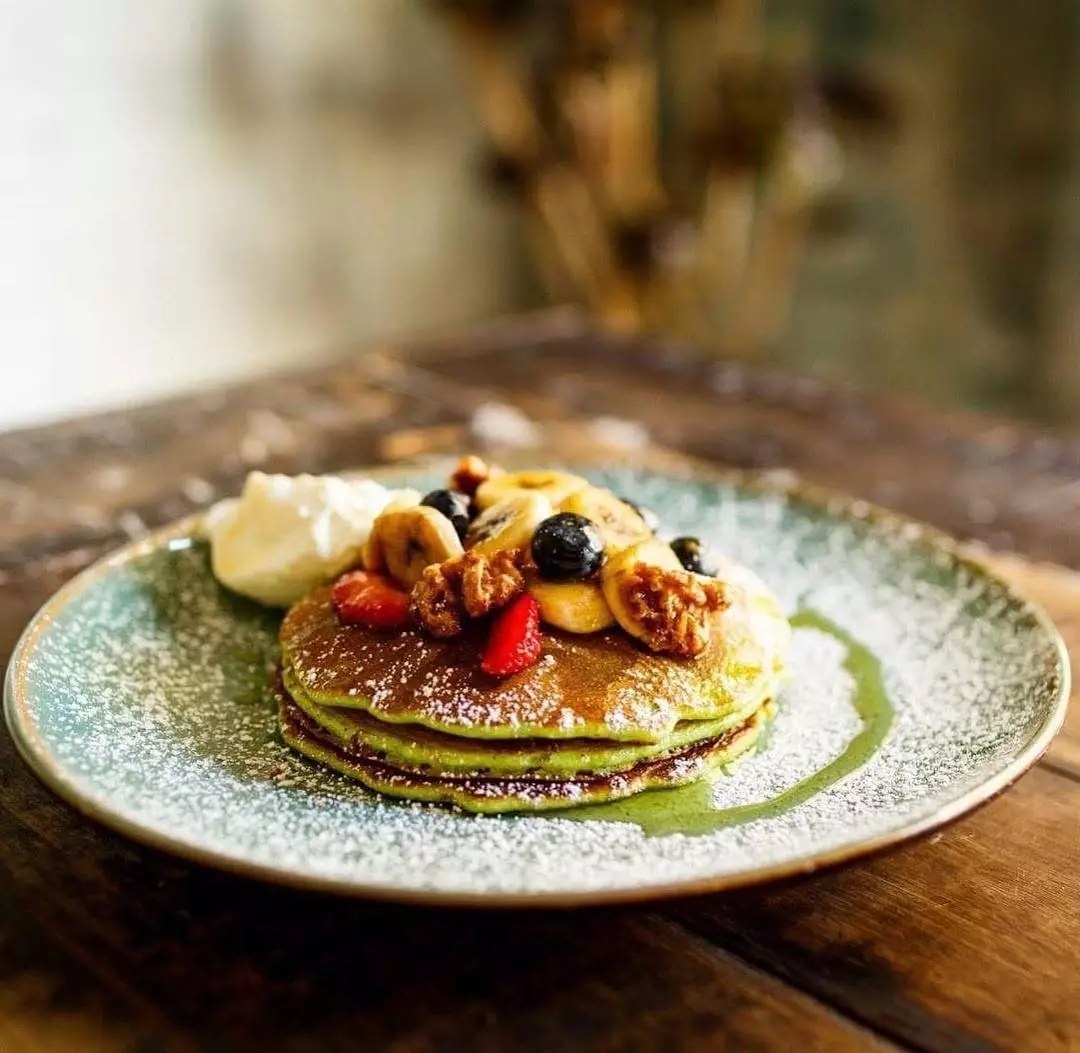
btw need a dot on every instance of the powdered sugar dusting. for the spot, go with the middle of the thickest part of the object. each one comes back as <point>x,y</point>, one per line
<point>147,692</point>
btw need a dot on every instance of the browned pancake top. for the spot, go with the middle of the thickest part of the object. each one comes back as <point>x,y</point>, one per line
<point>599,686</point>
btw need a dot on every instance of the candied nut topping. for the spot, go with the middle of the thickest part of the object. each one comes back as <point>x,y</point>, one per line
<point>470,473</point>
<point>672,606</point>
<point>470,585</point>
<point>436,605</point>
<point>488,583</point>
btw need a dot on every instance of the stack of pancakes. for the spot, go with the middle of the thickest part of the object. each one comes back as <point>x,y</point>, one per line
<point>597,718</point>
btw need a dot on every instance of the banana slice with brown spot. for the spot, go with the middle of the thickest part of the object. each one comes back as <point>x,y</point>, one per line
<point>574,606</point>
<point>619,524</point>
<point>555,486</point>
<point>406,540</point>
<point>509,523</point>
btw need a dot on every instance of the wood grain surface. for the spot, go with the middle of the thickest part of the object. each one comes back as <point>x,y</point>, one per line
<point>967,941</point>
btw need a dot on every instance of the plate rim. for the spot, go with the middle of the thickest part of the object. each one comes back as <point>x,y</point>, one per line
<point>53,775</point>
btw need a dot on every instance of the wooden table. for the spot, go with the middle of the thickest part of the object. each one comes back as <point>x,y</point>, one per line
<point>968,940</point>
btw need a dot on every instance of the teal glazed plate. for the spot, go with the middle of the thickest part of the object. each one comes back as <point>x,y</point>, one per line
<point>920,686</point>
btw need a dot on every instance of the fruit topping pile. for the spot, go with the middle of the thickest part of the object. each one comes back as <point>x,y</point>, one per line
<point>529,548</point>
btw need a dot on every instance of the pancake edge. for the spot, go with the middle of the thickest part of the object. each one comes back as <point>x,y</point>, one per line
<point>539,759</point>
<point>488,796</point>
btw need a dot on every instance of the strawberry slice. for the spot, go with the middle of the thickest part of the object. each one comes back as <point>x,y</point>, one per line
<point>514,641</point>
<point>364,598</point>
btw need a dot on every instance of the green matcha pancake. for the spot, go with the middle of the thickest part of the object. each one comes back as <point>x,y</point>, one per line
<point>528,643</point>
<point>601,685</point>
<point>420,749</point>
<point>491,795</point>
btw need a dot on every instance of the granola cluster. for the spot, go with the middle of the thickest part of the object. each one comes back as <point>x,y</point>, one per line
<point>470,585</point>
<point>671,607</point>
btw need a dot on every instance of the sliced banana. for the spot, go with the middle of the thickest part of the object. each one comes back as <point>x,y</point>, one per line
<point>576,606</point>
<point>510,523</point>
<point>619,524</point>
<point>619,565</point>
<point>372,554</point>
<point>555,486</point>
<point>651,552</point>
<point>405,540</point>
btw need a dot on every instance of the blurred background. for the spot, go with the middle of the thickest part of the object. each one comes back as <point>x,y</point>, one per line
<point>193,191</point>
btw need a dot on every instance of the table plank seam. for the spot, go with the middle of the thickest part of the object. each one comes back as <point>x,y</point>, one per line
<point>778,970</point>
<point>701,939</point>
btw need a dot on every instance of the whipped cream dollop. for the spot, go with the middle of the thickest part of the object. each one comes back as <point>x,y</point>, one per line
<point>285,535</point>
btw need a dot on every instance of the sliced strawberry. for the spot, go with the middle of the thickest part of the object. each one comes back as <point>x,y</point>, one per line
<point>514,641</point>
<point>364,598</point>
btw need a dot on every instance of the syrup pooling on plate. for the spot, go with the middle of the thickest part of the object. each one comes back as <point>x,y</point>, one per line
<point>693,811</point>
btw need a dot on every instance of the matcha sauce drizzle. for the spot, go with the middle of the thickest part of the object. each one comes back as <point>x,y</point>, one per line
<point>689,809</point>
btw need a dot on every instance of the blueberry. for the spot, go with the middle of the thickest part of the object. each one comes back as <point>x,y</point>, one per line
<point>453,505</point>
<point>652,520</point>
<point>694,556</point>
<point>567,545</point>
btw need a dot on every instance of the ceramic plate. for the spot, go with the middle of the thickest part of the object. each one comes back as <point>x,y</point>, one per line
<point>920,686</point>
